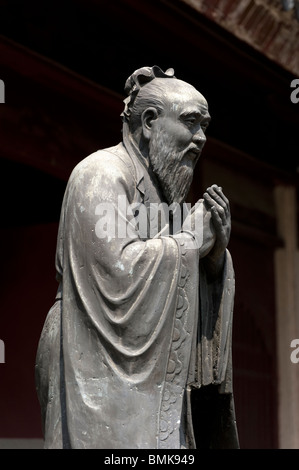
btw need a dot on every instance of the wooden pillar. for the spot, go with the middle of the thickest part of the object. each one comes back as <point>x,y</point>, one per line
<point>287,317</point>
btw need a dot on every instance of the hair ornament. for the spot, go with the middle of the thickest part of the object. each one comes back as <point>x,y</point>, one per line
<point>137,80</point>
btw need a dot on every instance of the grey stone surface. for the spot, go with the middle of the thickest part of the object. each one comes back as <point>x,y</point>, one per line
<point>136,350</point>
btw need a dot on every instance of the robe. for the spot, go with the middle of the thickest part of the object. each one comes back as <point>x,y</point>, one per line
<point>136,328</point>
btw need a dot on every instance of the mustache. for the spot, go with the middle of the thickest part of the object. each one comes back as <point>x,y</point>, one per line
<point>194,151</point>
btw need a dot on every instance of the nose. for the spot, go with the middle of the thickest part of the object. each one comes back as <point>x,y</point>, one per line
<point>199,138</point>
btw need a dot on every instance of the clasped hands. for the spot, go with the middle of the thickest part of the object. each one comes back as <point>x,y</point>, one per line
<point>212,215</point>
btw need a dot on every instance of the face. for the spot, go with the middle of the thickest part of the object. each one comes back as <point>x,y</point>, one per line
<point>177,139</point>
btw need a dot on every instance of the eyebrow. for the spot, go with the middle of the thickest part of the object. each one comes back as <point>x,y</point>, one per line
<point>203,117</point>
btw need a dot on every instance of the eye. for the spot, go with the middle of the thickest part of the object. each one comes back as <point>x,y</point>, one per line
<point>204,125</point>
<point>190,120</point>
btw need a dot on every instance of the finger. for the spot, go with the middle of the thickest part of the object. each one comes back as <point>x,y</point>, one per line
<point>217,219</point>
<point>219,191</point>
<point>213,198</point>
<point>213,204</point>
<point>211,191</point>
<point>216,193</point>
<point>210,200</point>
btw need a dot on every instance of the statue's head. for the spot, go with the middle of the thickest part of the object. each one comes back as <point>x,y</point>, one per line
<point>166,119</point>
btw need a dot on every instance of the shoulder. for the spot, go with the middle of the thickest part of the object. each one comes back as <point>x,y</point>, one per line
<point>102,173</point>
<point>110,162</point>
<point>108,166</point>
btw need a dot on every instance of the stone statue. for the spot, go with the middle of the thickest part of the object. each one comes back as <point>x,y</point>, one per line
<point>136,350</point>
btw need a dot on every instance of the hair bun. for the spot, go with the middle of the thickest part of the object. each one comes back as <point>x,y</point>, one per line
<point>137,80</point>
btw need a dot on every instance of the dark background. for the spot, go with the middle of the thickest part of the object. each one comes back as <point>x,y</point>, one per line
<point>64,64</point>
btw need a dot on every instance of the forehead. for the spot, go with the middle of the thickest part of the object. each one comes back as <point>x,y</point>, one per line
<point>183,98</point>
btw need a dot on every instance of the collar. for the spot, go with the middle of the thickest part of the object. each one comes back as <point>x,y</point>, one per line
<point>140,163</point>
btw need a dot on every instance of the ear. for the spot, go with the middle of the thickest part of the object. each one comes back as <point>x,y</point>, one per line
<point>148,116</point>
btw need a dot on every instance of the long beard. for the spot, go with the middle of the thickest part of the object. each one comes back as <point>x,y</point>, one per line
<point>174,175</point>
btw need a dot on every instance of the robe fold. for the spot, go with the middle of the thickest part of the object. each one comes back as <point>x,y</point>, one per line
<point>135,325</point>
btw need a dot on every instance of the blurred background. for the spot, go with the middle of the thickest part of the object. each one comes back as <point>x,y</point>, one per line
<point>64,65</point>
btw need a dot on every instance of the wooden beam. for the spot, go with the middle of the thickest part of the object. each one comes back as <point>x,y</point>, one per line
<point>260,23</point>
<point>52,117</point>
